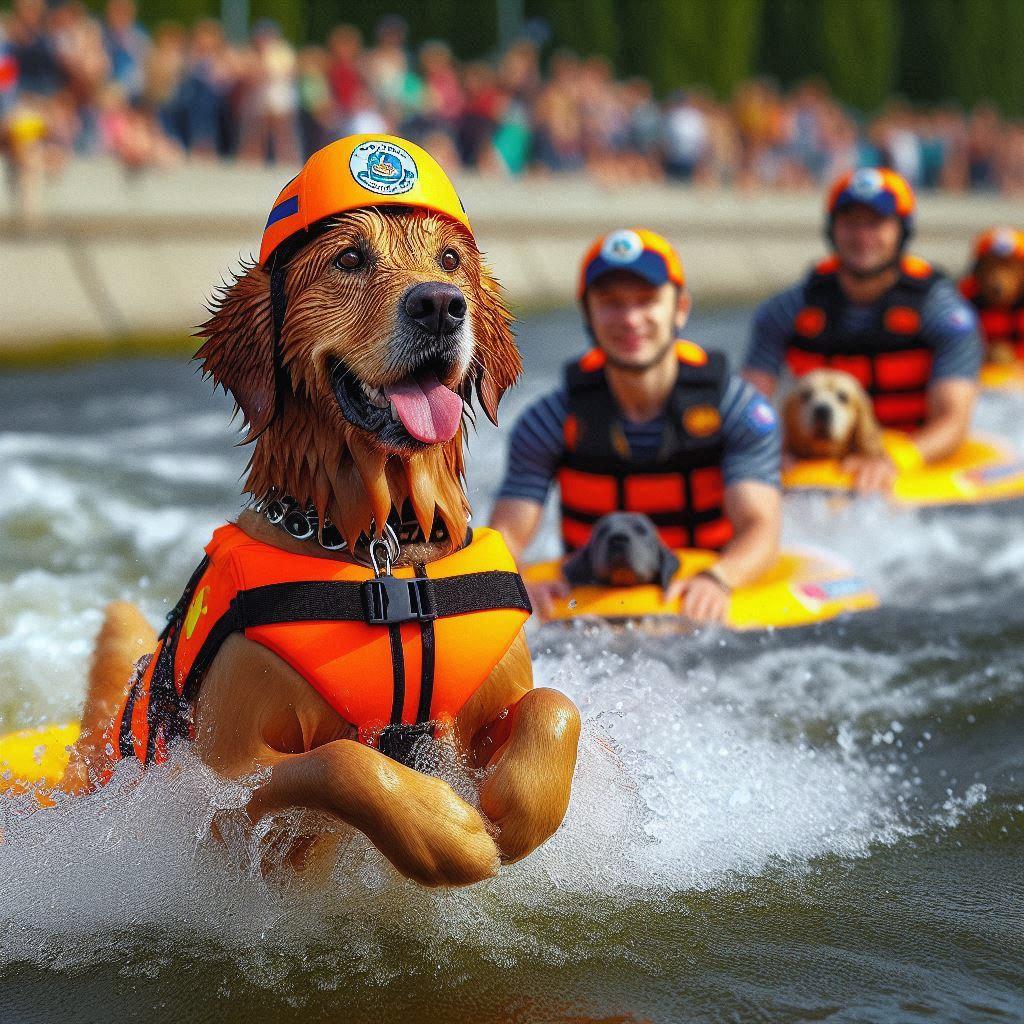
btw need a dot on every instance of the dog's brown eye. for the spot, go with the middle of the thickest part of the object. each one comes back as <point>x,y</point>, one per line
<point>350,259</point>
<point>806,395</point>
<point>450,260</point>
<point>843,397</point>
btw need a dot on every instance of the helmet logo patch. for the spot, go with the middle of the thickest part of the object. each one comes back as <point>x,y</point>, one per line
<point>622,247</point>
<point>1003,242</point>
<point>383,168</point>
<point>866,183</point>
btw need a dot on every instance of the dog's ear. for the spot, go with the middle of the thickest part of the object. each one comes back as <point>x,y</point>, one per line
<point>668,566</point>
<point>578,568</point>
<point>498,365</point>
<point>867,434</point>
<point>792,431</point>
<point>238,350</point>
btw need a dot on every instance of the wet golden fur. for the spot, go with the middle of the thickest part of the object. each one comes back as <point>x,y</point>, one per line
<point>854,430</point>
<point>253,709</point>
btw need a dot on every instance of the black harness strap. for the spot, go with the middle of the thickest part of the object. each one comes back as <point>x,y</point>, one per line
<point>397,673</point>
<point>166,710</point>
<point>426,659</point>
<point>344,601</point>
<point>397,740</point>
<point>125,747</point>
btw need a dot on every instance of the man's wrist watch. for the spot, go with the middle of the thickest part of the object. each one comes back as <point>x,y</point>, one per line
<point>712,573</point>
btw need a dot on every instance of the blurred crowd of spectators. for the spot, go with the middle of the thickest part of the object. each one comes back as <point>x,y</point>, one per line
<point>71,83</point>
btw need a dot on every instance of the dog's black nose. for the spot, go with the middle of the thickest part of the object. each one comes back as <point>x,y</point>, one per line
<point>618,541</point>
<point>438,308</point>
<point>821,415</point>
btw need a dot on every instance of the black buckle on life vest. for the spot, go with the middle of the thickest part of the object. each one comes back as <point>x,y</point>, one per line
<point>388,601</point>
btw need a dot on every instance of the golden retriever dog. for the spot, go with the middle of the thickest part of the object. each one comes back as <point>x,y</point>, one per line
<point>828,415</point>
<point>392,328</point>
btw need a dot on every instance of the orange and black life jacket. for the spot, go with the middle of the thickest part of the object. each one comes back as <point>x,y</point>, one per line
<point>681,488</point>
<point>390,654</point>
<point>997,323</point>
<point>891,360</point>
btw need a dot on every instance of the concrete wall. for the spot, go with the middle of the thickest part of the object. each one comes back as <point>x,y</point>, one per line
<point>112,256</point>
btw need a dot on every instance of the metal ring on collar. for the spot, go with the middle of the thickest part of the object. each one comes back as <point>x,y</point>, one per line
<point>388,539</point>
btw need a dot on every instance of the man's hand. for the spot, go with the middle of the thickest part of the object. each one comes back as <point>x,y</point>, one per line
<point>704,598</point>
<point>872,474</point>
<point>543,595</point>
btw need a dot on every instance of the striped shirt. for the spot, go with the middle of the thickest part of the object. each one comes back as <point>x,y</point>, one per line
<point>537,443</point>
<point>949,327</point>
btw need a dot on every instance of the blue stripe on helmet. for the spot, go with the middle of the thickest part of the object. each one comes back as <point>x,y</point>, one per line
<point>283,209</point>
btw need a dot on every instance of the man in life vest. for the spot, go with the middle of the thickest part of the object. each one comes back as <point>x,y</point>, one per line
<point>645,422</point>
<point>995,286</point>
<point>884,316</point>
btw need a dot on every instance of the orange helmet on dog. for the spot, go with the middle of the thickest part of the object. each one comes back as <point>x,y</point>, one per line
<point>356,172</point>
<point>1001,241</point>
<point>637,251</point>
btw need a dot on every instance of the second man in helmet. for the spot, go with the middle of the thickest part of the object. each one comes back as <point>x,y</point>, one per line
<point>646,422</point>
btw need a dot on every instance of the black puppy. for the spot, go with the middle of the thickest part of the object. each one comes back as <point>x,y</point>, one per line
<point>624,550</point>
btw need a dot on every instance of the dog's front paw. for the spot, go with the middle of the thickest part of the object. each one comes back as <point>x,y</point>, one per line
<point>433,836</point>
<point>527,793</point>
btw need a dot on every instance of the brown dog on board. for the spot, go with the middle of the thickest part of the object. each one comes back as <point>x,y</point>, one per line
<point>828,415</point>
<point>334,429</point>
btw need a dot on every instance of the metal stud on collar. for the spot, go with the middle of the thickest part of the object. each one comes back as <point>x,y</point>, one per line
<point>304,524</point>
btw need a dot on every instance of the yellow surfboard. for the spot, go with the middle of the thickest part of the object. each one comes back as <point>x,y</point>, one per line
<point>35,755</point>
<point>801,589</point>
<point>1002,376</point>
<point>980,471</point>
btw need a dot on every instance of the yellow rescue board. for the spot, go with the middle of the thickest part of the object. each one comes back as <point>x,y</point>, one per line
<point>35,755</point>
<point>1002,376</point>
<point>980,471</point>
<point>800,590</point>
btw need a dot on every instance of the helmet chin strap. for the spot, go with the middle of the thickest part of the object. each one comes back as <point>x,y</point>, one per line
<point>278,305</point>
<point>278,266</point>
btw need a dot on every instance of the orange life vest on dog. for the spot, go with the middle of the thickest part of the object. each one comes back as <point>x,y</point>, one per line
<point>385,652</point>
<point>681,489</point>
<point>891,361</point>
<point>997,324</point>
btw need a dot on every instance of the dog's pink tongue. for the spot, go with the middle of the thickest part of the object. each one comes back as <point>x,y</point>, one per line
<point>428,410</point>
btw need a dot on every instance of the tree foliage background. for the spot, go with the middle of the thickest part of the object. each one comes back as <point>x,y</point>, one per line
<point>932,51</point>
